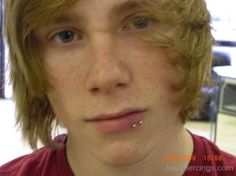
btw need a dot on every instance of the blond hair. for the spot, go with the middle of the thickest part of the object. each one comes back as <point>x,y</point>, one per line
<point>191,43</point>
<point>189,48</point>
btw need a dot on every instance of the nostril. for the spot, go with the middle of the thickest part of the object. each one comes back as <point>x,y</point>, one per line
<point>120,85</point>
<point>94,90</point>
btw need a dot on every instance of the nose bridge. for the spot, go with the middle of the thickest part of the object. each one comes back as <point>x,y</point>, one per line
<point>103,48</point>
<point>107,71</point>
<point>104,55</point>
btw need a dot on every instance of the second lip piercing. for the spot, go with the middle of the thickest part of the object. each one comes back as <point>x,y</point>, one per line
<point>136,124</point>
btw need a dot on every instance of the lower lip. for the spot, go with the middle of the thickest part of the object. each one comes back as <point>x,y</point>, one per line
<point>117,125</point>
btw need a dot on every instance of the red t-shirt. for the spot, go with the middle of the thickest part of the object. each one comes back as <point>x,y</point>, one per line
<point>209,161</point>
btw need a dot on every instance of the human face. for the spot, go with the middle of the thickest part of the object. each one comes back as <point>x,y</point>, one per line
<point>100,68</point>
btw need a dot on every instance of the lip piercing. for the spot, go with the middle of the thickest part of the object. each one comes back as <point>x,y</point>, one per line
<point>135,124</point>
<point>140,122</point>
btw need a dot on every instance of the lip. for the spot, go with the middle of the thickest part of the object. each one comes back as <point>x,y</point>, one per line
<point>117,122</point>
<point>116,115</point>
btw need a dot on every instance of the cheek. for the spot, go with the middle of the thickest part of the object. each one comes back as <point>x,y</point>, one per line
<point>65,70</point>
<point>159,75</point>
<point>65,80</point>
<point>154,66</point>
<point>63,64</point>
<point>63,83</point>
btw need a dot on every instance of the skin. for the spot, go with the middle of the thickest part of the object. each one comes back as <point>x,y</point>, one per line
<point>106,68</point>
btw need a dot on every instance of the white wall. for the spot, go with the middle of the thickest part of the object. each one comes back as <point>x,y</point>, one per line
<point>11,144</point>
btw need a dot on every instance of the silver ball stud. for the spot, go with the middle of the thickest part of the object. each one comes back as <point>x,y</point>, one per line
<point>140,122</point>
<point>134,125</point>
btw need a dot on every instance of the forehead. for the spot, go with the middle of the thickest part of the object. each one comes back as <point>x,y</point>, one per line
<point>108,4</point>
<point>112,6</point>
<point>97,9</point>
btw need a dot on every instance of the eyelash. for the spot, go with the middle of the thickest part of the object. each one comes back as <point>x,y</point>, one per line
<point>138,19</point>
<point>143,20</point>
<point>70,33</point>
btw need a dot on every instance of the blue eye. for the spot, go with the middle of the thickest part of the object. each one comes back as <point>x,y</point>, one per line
<point>140,22</point>
<point>65,37</point>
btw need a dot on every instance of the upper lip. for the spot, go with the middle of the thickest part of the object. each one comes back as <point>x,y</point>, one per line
<point>116,115</point>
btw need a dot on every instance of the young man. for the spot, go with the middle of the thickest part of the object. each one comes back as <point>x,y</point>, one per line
<point>121,76</point>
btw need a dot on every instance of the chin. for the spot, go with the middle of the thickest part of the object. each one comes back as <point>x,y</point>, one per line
<point>123,155</point>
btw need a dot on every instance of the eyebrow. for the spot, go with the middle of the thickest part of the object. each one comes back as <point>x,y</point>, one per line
<point>64,18</point>
<point>126,7</point>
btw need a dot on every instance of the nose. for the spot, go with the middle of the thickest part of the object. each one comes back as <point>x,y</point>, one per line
<point>108,72</point>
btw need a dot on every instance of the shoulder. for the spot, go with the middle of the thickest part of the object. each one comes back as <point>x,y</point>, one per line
<point>37,163</point>
<point>26,163</point>
<point>212,159</point>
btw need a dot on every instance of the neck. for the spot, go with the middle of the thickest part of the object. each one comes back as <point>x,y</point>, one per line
<point>177,142</point>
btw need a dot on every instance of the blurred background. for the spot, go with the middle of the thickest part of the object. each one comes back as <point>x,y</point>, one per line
<point>217,119</point>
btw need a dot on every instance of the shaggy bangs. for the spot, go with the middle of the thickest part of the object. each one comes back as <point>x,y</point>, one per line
<point>185,33</point>
<point>28,72</point>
